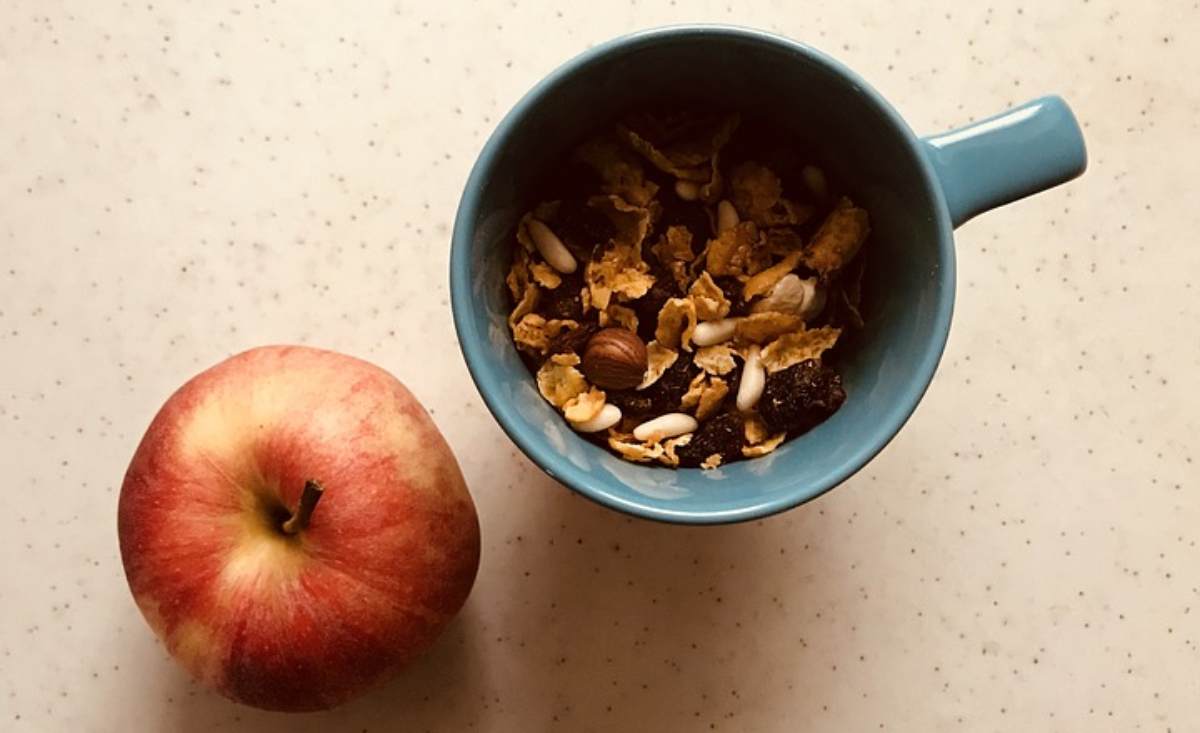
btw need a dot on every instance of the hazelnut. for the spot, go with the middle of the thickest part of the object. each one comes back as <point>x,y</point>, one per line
<point>615,359</point>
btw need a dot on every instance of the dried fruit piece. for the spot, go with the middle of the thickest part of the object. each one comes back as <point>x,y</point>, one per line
<point>559,381</point>
<point>584,407</point>
<point>659,358</point>
<point>666,393</point>
<point>710,300</point>
<point>615,358</point>
<point>676,323</point>
<point>759,328</point>
<point>572,340</point>
<point>620,170</point>
<point>731,251</point>
<point>798,398</point>
<point>721,435</point>
<point>792,348</point>
<point>716,359</point>
<point>839,238</point>
<point>581,227</point>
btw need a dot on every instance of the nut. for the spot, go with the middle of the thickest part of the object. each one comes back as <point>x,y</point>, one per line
<point>615,359</point>
<point>714,332</point>
<point>665,426</point>
<point>750,388</point>
<point>608,416</point>
<point>727,216</point>
<point>687,190</point>
<point>551,248</point>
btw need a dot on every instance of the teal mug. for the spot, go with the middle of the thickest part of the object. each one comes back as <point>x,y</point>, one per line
<point>917,190</point>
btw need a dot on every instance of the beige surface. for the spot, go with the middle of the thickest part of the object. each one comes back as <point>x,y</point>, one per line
<point>182,180</point>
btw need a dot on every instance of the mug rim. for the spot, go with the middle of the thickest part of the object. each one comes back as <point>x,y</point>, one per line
<point>472,341</point>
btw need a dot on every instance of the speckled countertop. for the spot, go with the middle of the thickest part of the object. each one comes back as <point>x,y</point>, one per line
<point>184,180</point>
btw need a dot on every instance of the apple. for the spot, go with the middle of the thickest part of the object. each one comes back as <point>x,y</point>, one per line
<point>294,527</point>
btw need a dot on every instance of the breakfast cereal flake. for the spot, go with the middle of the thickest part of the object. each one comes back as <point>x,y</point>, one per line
<point>676,322</point>
<point>731,252</point>
<point>669,446</point>
<point>711,462</point>
<point>559,381</point>
<point>688,156</point>
<point>765,447</point>
<point>619,270</point>
<point>762,282</point>
<point>533,333</point>
<point>545,275</point>
<point>759,328</point>
<point>631,222</point>
<point>619,315</point>
<point>633,450</point>
<point>839,238</point>
<point>797,346</point>
<point>711,398</point>
<point>674,246</point>
<point>658,360</point>
<point>716,359</point>
<point>710,300</point>
<point>758,196</point>
<point>585,406</point>
<point>620,169</point>
<point>754,429</point>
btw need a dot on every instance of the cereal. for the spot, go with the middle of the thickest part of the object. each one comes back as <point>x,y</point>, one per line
<point>676,323</point>
<point>717,359</point>
<point>659,359</point>
<point>634,294</point>
<point>797,346</point>
<point>839,238</point>
<point>559,381</point>
<point>765,447</point>
<point>620,170</point>
<point>544,275</point>
<point>730,252</point>
<point>759,328</point>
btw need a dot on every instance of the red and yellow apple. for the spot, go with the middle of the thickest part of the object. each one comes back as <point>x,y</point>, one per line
<point>295,528</point>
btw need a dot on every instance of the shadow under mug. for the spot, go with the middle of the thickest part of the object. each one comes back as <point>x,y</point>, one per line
<point>916,189</point>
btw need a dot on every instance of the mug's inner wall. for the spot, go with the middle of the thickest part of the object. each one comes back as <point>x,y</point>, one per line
<point>843,128</point>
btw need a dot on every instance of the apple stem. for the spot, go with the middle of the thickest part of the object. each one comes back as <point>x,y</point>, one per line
<point>308,501</point>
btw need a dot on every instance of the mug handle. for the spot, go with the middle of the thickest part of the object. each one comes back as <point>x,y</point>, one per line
<point>1007,157</point>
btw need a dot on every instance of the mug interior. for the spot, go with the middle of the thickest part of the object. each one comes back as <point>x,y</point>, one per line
<point>850,131</point>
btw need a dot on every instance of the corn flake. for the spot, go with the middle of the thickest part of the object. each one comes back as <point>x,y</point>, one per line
<point>732,251</point>
<point>533,333</point>
<point>759,328</point>
<point>585,406</point>
<point>658,360</point>
<point>754,429</point>
<point>691,398</point>
<point>711,462</point>
<point>676,323</point>
<point>545,275</point>
<point>793,348</point>
<point>710,300</point>
<point>633,450</point>
<point>711,398</point>
<point>679,146</point>
<point>631,222</point>
<point>559,381</point>
<point>620,316</point>
<point>716,359</point>
<point>762,282</point>
<point>669,446</point>
<point>758,196</point>
<point>674,246</point>
<point>839,238</point>
<point>781,241</point>
<point>620,170</point>
<point>619,271</point>
<point>765,447</point>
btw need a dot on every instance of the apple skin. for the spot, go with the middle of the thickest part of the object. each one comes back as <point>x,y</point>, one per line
<point>304,621</point>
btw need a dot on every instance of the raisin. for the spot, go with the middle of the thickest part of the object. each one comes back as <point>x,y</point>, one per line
<point>800,397</point>
<point>722,434</point>
<point>632,403</point>
<point>666,393</point>
<point>582,228</point>
<point>564,301</point>
<point>574,340</point>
